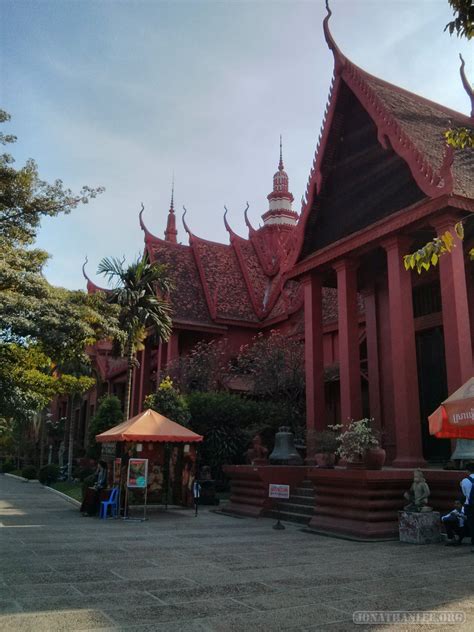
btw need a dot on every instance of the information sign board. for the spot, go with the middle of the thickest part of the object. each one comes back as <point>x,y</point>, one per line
<point>137,474</point>
<point>278,491</point>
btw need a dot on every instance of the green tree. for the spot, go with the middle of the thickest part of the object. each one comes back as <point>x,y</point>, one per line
<point>140,291</point>
<point>203,369</point>
<point>463,23</point>
<point>41,326</point>
<point>25,199</point>
<point>109,414</point>
<point>169,402</point>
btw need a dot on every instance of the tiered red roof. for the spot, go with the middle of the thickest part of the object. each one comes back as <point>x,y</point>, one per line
<point>410,125</point>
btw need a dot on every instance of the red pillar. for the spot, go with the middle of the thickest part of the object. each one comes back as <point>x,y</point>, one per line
<point>134,404</point>
<point>348,333</point>
<point>370,308</point>
<point>456,325</point>
<point>145,370</point>
<point>314,359</point>
<point>173,348</point>
<point>404,367</point>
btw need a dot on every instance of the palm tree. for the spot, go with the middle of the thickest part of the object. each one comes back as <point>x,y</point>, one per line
<point>141,291</point>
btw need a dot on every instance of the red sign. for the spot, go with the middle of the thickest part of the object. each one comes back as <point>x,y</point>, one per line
<point>278,491</point>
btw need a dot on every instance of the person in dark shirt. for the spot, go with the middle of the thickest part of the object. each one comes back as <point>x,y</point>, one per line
<point>467,487</point>
<point>90,504</point>
<point>455,523</point>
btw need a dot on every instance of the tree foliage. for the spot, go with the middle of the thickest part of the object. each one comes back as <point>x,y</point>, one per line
<point>140,291</point>
<point>109,414</point>
<point>429,254</point>
<point>25,199</point>
<point>169,402</point>
<point>41,327</point>
<point>276,364</point>
<point>460,138</point>
<point>463,23</point>
<point>203,369</point>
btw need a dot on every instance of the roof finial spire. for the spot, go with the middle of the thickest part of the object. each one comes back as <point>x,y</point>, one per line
<point>171,233</point>
<point>172,195</point>
<point>280,164</point>
<point>467,86</point>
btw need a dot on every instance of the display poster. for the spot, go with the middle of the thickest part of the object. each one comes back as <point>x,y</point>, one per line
<point>278,491</point>
<point>137,473</point>
<point>117,472</point>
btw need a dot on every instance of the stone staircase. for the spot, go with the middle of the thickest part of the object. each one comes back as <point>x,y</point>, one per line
<point>299,507</point>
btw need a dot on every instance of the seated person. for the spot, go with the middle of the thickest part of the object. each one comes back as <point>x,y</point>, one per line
<point>90,504</point>
<point>455,523</point>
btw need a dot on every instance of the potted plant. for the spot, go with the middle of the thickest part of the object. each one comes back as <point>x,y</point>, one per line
<point>359,446</point>
<point>326,446</point>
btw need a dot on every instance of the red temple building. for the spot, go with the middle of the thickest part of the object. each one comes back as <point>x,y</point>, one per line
<point>382,184</point>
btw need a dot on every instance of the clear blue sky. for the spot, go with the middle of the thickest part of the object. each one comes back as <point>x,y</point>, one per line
<point>122,93</point>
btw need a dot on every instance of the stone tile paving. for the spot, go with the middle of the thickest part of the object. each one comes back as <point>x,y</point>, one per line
<point>176,573</point>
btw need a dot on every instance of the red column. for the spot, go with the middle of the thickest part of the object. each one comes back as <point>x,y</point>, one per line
<point>173,348</point>
<point>159,362</point>
<point>404,367</point>
<point>145,369</point>
<point>134,404</point>
<point>348,333</point>
<point>456,325</point>
<point>314,359</point>
<point>370,308</point>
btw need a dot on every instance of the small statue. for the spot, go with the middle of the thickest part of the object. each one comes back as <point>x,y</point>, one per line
<point>257,454</point>
<point>418,494</point>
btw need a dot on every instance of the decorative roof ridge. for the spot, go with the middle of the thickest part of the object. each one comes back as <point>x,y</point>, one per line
<point>196,238</point>
<point>315,178</point>
<point>275,294</point>
<point>448,111</point>
<point>252,230</point>
<point>91,286</point>
<point>270,268</point>
<point>149,236</point>
<point>236,243</point>
<point>467,86</point>
<point>233,235</point>
<point>431,183</point>
<point>186,227</point>
<point>339,58</point>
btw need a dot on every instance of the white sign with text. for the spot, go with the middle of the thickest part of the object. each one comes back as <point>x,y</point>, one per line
<point>278,491</point>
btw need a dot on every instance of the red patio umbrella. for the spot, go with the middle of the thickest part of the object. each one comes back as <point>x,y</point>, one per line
<point>454,419</point>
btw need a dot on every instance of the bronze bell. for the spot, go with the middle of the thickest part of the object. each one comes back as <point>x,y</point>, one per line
<point>284,452</point>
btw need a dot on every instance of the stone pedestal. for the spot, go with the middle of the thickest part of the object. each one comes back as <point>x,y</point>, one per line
<point>419,528</point>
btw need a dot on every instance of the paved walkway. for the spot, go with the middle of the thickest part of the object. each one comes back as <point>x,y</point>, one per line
<point>60,571</point>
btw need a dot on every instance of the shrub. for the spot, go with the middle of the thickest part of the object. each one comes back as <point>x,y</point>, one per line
<point>169,402</point>
<point>48,474</point>
<point>83,472</point>
<point>228,423</point>
<point>8,466</point>
<point>109,414</point>
<point>29,472</point>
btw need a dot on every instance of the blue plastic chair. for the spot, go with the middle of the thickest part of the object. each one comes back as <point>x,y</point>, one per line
<point>112,502</point>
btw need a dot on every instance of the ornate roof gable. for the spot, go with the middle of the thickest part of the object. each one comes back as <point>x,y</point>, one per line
<point>407,123</point>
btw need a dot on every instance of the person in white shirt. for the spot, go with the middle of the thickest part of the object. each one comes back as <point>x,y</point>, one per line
<point>455,524</point>
<point>467,487</point>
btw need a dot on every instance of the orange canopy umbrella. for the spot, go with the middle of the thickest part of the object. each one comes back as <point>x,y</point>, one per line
<point>454,419</point>
<point>149,426</point>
